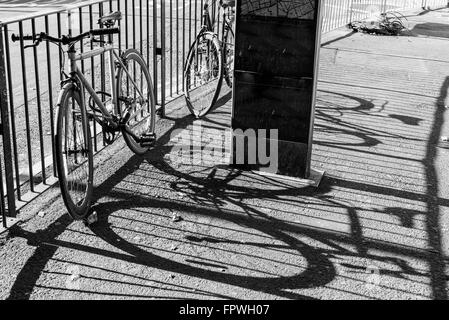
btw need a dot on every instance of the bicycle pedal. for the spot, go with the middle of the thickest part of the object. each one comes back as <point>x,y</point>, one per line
<point>91,219</point>
<point>108,137</point>
<point>147,140</point>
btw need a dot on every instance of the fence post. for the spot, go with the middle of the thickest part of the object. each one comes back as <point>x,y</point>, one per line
<point>6,133</point>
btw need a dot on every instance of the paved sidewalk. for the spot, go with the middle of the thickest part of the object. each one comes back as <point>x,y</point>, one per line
<point>377,228</point>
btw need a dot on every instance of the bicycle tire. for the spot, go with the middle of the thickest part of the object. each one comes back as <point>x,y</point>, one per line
<point>69,98</point>
<point>199,98</point>
<point>228,56</point>
<point>146,123</point>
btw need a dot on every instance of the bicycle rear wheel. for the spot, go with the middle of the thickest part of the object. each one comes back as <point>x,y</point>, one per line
<point>203,74</point>
<point>74,156</point>
<point>136,96</point>
<point>228,56</point>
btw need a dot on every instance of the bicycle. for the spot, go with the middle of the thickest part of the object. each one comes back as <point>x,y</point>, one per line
<point>209,61</point>
<point>388,23</point>
<point>128,108</point>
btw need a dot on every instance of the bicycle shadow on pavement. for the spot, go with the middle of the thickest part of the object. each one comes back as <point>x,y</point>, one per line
<point>46,242</point>
<point>224,199</point>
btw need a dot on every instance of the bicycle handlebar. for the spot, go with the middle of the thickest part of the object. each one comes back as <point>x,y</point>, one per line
<point>37,38</point>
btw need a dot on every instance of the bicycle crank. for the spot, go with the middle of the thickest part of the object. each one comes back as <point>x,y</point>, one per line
<point>108,137</point>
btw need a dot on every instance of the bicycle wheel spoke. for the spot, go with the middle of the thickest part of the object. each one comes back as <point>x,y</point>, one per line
<point>203,74</point>
<point>74,157</point>
<point>135,90</point>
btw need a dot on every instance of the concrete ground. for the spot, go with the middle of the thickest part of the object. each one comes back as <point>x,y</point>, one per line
<point>376,228</point>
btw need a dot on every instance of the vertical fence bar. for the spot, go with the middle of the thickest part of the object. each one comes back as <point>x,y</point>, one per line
<point>13,121</point>
<point>102,64</point>
<point>25,103</point>
<point>183,39</point>
<point>171,48</point>
<point>50,96</point>
<point>39,105</point>
<point>323,28</point>
<point>195,17</point>
<point>3,105</point>
<point>120,27</point>
<point>92,62</point>
<point>177,46</point>
<point>126,24</point>
<point>80,12</point>
<point>61,61</point>
<point>342,15</point>
<point>92,71</point>
<point>348,11</point>
<point>148,32</point>
<point>155,75</point>
<point>190,22</point>
<point>163,56</point>
<point>336,12</point>
<point>351,8</point>
<point>336,9</point>
<point>133,4</point>
<point>102,59</point>
<point>6,134</point>
<point>141,27</point>
<point>217,20</point>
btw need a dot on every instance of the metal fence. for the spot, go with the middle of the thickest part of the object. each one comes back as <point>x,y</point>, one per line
<point>30,78</point>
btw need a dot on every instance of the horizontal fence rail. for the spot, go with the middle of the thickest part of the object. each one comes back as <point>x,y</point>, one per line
<point>161,30</point>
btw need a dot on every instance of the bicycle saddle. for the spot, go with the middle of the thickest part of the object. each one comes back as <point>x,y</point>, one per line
<point>109,19</point>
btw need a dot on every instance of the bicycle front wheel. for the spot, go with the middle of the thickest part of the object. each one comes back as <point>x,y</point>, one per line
<point>74,155</point>
<point>203,74</point>
<point>136,97</point>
